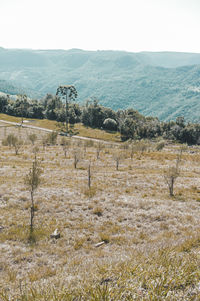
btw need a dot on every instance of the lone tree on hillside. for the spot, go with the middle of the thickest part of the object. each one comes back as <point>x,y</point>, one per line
<point>69,93</point>
<point>23,106</point>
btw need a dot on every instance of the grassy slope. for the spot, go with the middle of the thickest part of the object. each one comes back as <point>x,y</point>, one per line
<point>153,242</point>
<point>80,129</point>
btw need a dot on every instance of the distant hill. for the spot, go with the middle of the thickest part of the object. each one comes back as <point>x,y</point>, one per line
<point>6,87</point>
<point>163,84</point>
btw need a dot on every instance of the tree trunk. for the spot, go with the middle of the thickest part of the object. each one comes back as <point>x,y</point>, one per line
<point>117,164</point>
<point>89,176</point>
<point>171,187</point>
<point>67,113</point>
<point>32,212</point>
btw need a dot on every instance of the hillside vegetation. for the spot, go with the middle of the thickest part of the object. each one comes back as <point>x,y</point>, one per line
<point>126,124</point>
<point>165,84</point>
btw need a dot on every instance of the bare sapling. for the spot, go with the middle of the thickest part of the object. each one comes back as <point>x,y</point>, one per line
<point>89,175</point>
<point>32,138</point>
<point>172,173</point>
<point>44,141</point>
<point>32,180</point>
<point>99,148</point>
<point>117,157</point>
<point>52,137</point>
<point>35,151</point>
<point>76,158</point>
<point>85,148</point>
<point>19,132</point>
<point>18,145</point>
<point>65,145</point>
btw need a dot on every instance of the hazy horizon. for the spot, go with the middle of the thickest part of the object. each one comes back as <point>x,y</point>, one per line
<point>117,50</point>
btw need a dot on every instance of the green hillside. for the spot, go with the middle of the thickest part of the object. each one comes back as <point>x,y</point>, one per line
<point>164,84</point>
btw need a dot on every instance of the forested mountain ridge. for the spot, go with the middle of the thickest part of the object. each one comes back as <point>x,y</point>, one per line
<point>165,84</point>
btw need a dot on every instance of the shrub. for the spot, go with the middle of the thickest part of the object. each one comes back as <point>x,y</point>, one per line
<point>9,140</point>
<point>110,124</point>
<point>32,138</point>
<point>98,211</point>
<point>12,140</point>
<point>52,137</point>
<point>160,145</point>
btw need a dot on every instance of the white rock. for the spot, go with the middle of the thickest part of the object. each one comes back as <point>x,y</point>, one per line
<point>55,234</point>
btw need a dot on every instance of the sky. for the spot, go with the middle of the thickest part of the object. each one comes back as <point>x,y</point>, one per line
<point>130,25</point>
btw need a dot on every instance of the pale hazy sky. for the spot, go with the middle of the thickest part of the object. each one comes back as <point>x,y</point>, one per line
<point>132,25</point>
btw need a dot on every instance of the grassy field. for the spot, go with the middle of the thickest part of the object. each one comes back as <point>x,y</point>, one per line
<point>124,238</point>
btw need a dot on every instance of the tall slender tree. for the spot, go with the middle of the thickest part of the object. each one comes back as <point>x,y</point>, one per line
<point>69,93</point>
<point>23,101</point>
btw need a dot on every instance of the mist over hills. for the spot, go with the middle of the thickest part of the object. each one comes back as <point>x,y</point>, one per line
<point>162,84</point>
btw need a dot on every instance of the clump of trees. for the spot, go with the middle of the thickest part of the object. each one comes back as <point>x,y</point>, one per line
<point>22,107</point>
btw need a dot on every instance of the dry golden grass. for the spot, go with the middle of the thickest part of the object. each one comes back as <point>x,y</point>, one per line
<point>79,128</point>
<point>151,241</point>
<point>9,118</point>
<point>97,134</point>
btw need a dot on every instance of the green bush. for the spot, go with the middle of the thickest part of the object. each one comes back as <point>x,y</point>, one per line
<point>110,124</point>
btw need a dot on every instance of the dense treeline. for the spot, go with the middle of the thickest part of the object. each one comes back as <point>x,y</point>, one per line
<point>130,123</point>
